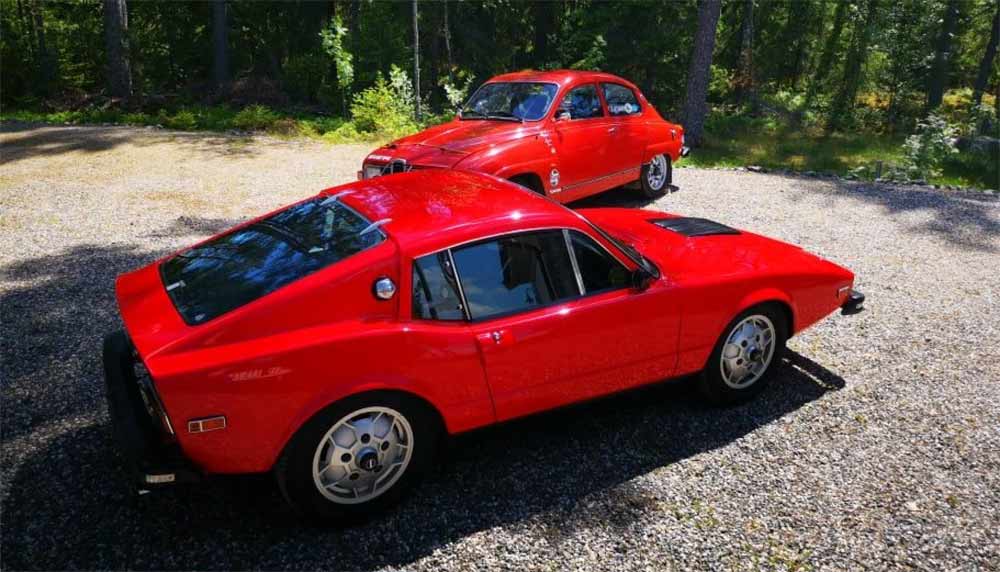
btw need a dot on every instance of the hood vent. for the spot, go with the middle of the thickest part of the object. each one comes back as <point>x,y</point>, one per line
<point>694,226</point>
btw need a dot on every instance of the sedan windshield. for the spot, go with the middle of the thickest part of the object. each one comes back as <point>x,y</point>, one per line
<point>512,101</point>
<point>250,262</point>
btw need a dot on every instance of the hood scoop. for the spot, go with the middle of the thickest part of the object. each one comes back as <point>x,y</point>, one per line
<point>689,226</point>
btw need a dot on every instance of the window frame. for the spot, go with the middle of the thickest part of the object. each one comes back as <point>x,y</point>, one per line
<point>549,111</point>
<point>600,99</point>
<point>604,98</point>
<point>468,319</point>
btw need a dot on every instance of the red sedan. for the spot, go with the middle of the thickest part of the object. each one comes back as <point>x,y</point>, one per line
<point>564,134</point>
<point>335,341</point>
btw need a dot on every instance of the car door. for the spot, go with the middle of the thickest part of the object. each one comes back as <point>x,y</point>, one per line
<point>582,141</point>
<point>556,320</point>
<point>628,132</point>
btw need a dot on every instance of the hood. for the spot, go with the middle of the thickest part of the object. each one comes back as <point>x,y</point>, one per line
<point>446,144</point>
<point>695,249</point>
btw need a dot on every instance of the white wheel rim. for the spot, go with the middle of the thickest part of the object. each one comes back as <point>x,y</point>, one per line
<point>362,455</point>
<point>747,351</point>
<point>656,175</point>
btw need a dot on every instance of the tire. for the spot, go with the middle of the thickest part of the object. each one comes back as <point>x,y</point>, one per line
<point>388,420</point>
<point>721,381</point>
<point>657,175</point>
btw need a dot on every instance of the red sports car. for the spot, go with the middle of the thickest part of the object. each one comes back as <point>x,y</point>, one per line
<point>335,340</point>
<point>564,134</point>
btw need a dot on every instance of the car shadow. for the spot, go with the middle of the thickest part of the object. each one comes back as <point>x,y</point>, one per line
<point>65,504</point>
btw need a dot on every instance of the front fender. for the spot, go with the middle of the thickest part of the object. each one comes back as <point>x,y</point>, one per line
<point>534,155</point>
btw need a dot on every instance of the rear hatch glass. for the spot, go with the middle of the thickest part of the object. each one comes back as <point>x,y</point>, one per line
<point>248,263</point>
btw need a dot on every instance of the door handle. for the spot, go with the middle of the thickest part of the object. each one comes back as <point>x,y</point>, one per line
<point>494,338</point>
<point>612,129</point>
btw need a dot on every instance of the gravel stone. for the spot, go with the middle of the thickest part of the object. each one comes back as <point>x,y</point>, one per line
<point>876,447</point>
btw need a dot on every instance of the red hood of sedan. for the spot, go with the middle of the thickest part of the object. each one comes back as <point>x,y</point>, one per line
<point>446,144</point>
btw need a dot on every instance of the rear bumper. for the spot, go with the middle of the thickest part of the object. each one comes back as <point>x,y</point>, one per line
<point>854,304</point>
<point>139,424</point>
<point>685,151</point>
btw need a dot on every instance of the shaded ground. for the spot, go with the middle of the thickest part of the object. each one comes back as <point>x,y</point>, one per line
<point>876,447</point>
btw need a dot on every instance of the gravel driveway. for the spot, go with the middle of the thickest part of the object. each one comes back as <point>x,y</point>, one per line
<point>877,447</point>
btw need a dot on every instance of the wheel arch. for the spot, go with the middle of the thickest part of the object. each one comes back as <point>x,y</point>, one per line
<point>320,405</point>
<point>769,296</point>
<point>530,180</point>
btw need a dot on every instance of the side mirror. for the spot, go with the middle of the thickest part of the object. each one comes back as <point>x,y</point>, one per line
<point>641,279</point>
<point>562,115</point>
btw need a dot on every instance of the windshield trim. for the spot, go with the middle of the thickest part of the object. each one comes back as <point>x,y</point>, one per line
<point>545,114</point>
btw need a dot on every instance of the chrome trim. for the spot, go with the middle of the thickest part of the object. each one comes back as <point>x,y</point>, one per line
<point>149,395</point>
<point>601,178</point>
<point>576,266</point>
<point>458,284</point>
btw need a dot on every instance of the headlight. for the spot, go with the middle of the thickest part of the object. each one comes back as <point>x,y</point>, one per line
<point>372,171</point>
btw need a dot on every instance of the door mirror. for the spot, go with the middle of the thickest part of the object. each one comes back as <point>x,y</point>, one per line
<point>562,115</point>
<point>641,279</point>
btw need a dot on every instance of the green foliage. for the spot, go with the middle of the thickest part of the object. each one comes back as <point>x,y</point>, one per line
<point>333,37</point>
<point>386,108</point>
<point>255,118</point>
<point>304,75</point>
<point>928,148</point>
<point>455,93</point>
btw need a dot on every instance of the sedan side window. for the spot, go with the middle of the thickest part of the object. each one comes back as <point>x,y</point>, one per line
<point>515,273</point>
<point>582,103</point>
<point>621,100</point>
<point>600,271</point>
<point>435,292</point>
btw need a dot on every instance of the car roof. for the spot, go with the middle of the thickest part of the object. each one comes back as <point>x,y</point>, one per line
<point>433,209</point>
<point>561,77</point>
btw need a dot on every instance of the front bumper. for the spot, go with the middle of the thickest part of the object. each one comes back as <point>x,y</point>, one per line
<point>685,151</point>
<point>139,424</point>
<point>854,304</point>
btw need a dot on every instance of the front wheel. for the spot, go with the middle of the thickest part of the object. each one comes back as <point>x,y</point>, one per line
<point>358,457</point>
<point>745,355</point>
<point>656,176</point>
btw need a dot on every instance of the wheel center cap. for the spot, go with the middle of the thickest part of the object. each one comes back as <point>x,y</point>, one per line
<point>755,354</point>
<point>368,459</point>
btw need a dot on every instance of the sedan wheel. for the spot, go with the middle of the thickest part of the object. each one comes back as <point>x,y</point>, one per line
<point>656,176</point>
<point>745,354</point>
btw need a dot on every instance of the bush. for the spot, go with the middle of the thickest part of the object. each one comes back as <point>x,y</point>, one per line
<point>928,148</point>
<point>183,120</point>
<point>386,108</point>
<point>255,117</point>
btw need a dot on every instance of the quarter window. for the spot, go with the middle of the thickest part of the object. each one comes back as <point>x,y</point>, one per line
<point>582,103</point>
<point>599,270</point>
<point>515,273</point>
<point>621,100</point>
<point>435,293</point>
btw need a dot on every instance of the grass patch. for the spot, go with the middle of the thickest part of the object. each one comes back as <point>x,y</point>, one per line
<point>736,141</point>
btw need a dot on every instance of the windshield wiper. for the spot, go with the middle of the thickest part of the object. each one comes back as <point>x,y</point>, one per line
<point>507,117</point>
<point>493,116</point>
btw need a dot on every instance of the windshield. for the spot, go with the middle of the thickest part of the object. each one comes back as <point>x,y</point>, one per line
<point>248,263</point>
<point>517,101</point>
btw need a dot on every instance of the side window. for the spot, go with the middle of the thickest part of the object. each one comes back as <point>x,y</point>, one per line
<point>515,273</point>
<point>582,103</point>
<point>621,100</point>
<point>599,270</point>
<point>435,294</point>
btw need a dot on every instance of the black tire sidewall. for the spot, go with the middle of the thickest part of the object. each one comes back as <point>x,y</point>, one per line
<point>711,383</point>
<point>294,470</point>
<point>649,191</point>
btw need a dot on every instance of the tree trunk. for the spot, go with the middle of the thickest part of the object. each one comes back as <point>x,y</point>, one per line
<point>830,49</point>
<point>116,44</point>
<point>986,64</point>
<point>848,91</point>
<point>416,61</point>
<point>699,73</point>
<point>744,81</point>
<point>447,41</point>
<point>47,63</point>
<point>544,24</point>
<point>220,44</point>
<point>942,56</point>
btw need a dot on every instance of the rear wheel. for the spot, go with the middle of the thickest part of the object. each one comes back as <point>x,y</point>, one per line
<point>657,175</point>
<point>358,457</point>
<point>745,355</point>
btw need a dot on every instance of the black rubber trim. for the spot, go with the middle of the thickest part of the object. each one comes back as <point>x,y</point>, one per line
<point>690,226</point>
<point>855,303</point>
<point>144,445</point>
